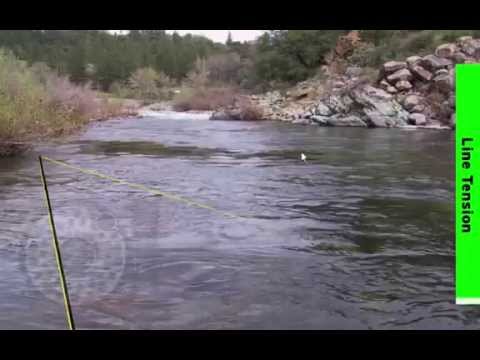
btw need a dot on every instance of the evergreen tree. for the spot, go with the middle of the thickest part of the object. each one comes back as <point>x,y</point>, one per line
<point>229,39</point>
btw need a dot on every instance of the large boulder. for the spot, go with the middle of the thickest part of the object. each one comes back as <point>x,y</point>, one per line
<point>459,58</point>
<point>322,110</point>
<point>378,120</point>
<point>379,107</point>
<point>403,85</point>
<point>420,73</point>
<point>417,119</point>
<point>221,115</point>
<point>462,39</point>
<point>441,72</point>
<point>320,120</point>
<point>446,50</point>
<point>471,47</point>
<point>433,63</point>
<point>444,83</point>
<point>387,87</point>
<point>367,95</point>
<point>349,120</point>
<point>418,108</point>
<point>413,60</point>
<point>393,66</point>
<point>411,101</point>
<point>403,74</point>
<point>338,104</point>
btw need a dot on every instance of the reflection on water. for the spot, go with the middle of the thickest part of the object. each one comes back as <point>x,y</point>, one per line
<point>360,237</point>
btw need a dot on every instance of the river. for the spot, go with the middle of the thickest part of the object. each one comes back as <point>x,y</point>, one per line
<point>359,237</point>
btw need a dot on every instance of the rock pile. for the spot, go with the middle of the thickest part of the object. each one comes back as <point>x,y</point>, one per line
<point>419,91</point>
<point>425,86</point>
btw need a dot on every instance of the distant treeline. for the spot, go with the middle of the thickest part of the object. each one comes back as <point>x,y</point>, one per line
<point>278,56</point>
<point>104,57</point>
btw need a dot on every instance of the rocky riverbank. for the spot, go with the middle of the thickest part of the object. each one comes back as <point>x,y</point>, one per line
<point>416,92</point>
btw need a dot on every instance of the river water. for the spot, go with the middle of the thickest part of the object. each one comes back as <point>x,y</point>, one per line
<point>359,237</point>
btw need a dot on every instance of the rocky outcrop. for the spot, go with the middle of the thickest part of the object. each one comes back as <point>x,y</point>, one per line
<point>430,98</point>
<point>418,91</point>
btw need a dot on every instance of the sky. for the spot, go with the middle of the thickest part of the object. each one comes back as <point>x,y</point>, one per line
<point>220,35</point>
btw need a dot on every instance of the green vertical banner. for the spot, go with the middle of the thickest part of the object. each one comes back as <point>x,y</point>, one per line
<point>467,183</point>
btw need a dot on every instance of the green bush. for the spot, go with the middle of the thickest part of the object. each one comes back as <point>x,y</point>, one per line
<point>37,102</point>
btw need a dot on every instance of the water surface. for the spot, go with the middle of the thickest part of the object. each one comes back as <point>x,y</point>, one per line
<point>360,237</point>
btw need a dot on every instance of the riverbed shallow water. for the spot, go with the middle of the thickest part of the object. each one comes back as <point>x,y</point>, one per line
<point>359,237</point>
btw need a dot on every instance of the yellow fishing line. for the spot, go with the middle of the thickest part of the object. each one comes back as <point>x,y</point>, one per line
<point>56,250</point>
<point>142,187</point>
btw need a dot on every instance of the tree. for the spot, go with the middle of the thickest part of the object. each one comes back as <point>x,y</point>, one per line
<point>113,56</point>
<point>224,68</point>
<point>76,64</point>
<point>144,83</point>
<point>229,39</point>
<point>198,77</point>
<point>293,55</point>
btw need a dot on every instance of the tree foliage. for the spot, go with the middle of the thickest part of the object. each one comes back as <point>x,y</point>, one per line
<point>277,56</point>
<point>102,57</point>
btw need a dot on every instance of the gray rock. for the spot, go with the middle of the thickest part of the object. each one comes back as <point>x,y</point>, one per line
<point>451,73</point>
<point>379,107</point>
<point>384,85</point>
<point>444,83</point>
<point>417,119</point>
<point>441,72</point>
<point>453,121</point>
<point>463,39</point>
<point>418,108</point>
<point>347,101</point>
<point>433,63</point>
<point>320,120</point>
<point>353,71</point>
<point>393,66</point>
<point>413,60</point>
<point>421,73</point>
<point>382,121</point>
<point>350,120</point>
<point>459,58</point>
<point>392,89</point>
<point>471,47</point>
<point>403,85</point>
<point>336,104</point>
<point>219,115</point>
<point>446,50</point>
<point>451,101</point>
<point>403,74</point>
<point>411,101</point>
<point>368,95</point>
<point>322,109</point>
<point>447,109</point>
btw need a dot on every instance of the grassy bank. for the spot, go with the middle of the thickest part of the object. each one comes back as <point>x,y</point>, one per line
<point>36,102</point>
